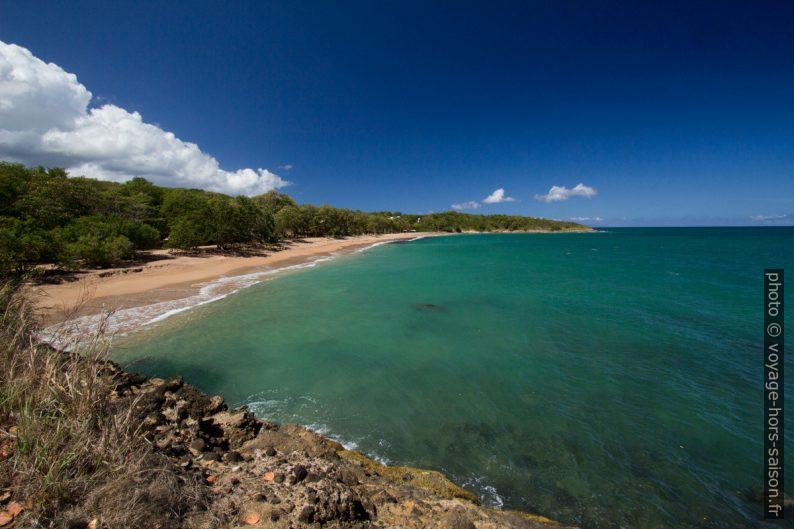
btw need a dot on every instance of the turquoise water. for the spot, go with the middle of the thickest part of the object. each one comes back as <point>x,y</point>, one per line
<point>604,379</point>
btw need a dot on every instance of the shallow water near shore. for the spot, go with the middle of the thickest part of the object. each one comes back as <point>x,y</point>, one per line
<point>604,379</point>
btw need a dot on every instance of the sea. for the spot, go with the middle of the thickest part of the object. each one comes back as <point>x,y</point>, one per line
<point>607,380</point>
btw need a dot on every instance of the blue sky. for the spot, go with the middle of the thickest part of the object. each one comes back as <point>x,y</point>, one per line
<point>676,113</point>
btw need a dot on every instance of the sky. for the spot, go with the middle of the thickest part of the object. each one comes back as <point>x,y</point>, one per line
<point>611,113</point>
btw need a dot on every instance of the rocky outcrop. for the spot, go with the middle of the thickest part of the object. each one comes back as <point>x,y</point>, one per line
<point>261,474</point>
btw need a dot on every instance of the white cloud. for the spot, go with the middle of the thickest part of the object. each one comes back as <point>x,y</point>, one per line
<point>772,218</point>
<point>585,219</point>
<point>494,198</point>
<point>497,196</point>
<point>45,120</point>
<point>558,193</point>
<point>471,204</point>
<point>286,167</point>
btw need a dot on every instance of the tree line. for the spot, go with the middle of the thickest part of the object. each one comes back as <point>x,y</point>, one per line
<point>46,216</point>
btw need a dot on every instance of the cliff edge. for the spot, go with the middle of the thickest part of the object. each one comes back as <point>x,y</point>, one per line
<point>259,474</point>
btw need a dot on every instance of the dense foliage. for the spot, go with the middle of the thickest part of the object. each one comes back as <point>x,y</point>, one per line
<point>48,217</point>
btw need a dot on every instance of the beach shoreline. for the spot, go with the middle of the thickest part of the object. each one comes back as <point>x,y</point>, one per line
<point>128,298</point>
<point>170,277</point>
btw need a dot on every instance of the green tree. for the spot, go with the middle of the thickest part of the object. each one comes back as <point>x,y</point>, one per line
<point>224,222</point>
<point>178,202</point>
<point>273,201</point>
<point>14,180</point>
<point>186,235</point>
<point>308,224</point>
<point>186,206</point>
<point>288,222</point>
<point>47,215</point>
<point>141,186</point>
<point>21,246</point>
<point>256,223</point>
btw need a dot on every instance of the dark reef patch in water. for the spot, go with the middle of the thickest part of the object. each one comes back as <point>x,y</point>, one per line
<point>428,306</point>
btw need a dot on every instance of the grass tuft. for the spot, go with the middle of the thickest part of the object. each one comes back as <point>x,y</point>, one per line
<point>70,453</point>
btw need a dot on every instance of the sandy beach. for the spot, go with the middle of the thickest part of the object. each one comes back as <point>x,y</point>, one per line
<point>174,277</point>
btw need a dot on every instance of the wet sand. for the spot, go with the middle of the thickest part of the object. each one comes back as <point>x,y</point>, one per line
<point>172,277</point>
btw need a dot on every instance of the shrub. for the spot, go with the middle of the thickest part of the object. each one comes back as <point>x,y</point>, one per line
<point>142,236</point>
<point>102,240</point>
<point>94,250</point>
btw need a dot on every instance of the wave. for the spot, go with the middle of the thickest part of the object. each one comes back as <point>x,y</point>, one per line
<point>365,248</point>
<point>395,241</point>
<point>487,494</point>
<point>125,321</point>
<point>293,409</point>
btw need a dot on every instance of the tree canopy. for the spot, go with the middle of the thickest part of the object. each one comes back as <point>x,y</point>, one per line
<point>46,216</point>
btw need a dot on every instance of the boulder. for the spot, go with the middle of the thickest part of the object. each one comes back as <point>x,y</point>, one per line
<point>300,472</point>
<point>197,446</point>
<point>307,514</point>
<point>457,520</point>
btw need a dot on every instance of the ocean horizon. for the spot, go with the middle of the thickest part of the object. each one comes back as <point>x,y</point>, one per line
<point>607,379</point>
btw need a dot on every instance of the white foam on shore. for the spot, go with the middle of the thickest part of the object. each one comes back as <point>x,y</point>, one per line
<point>491,497</point>
<point>487,493</point>
<point>325,431</point>
<point>289,409</point>
<point>284,410</point>
<point>274,410</point>
<point>369,247</point>
<point>124,321</point>
<point>347,444</point>
<point>365,248</point>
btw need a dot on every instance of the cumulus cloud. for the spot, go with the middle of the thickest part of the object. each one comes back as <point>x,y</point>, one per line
<point>497,197</point>
<point>286,167</point>
<point>45,119</point>
<point>558,193</point>
<point>586,219</point>
<point>471,204</point>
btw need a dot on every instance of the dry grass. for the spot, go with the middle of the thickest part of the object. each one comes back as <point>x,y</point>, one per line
<point>69,453</point>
